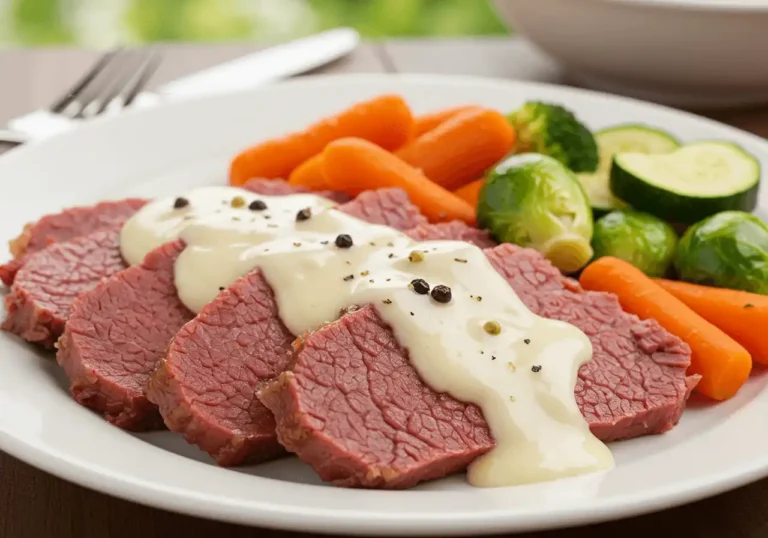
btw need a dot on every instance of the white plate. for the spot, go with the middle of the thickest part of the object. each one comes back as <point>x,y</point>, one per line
<point>164,150</point>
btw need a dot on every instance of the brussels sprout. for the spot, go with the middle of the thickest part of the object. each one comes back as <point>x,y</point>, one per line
<point>554,131</point>
<point>534,201</point>
<point>641,239</point>
<point>727,250</point>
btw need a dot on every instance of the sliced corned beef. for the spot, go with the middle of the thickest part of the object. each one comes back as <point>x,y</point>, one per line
<point>66,225</point>
<point>380,426</point>
<point>205,386</point>
<point>51,279</point>
<point>96,338</point>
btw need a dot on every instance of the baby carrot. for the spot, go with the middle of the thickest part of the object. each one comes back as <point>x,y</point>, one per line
<point>721,361</point>
<point>354,165</point>
<point>310,174</point>
<point>741,315</point>
<point>470,191</point>
<point>385,120</point>
<point>426,122</point>
<point>462,148</point>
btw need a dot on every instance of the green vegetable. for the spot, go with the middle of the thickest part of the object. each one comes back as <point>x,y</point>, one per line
<point>620,139</point>
<point>554,131</point>
<point>641,239</point>
<point>696,181</point>
<point>534,201</point>
<point>727,250</point>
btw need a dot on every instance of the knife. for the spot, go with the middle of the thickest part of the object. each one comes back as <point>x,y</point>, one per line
<point>268,65</point>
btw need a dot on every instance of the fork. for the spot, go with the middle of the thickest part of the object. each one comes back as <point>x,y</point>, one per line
<point>112,83</point>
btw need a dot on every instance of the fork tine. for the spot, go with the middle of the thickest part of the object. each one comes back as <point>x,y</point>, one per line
<point>120,81</point>
<point>144,74</point>
<point>64,101</point>
<point>100,86</point>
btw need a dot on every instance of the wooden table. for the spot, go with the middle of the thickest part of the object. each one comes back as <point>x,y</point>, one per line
<point>34,504</point>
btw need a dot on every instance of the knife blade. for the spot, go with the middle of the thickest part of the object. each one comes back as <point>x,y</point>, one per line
<point>262,67</point>
<point>271,64</point>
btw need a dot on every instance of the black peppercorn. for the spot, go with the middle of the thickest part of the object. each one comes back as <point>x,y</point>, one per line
<point>180,202</point>
<point>420,286</point>
<point>441,293</point>
<point>304,214</point>
<point>257,205</point>
<point>343,241</point>
<point>536,368</point>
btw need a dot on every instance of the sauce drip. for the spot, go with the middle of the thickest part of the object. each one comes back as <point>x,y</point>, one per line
<point>476,340</point>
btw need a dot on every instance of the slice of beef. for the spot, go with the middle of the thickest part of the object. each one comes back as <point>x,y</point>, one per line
<point>38,306</point>
<point>386,206</point>
<point>66,225</point>
<point>353,407</point>
<point>280,187</point>
<point>119,331</point>
<point>51,279</point>
<point>115,335</point>
<point>205,386</point>
<point>452,231</point>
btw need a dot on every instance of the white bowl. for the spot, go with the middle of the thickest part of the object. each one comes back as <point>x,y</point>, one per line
<point>699,53</point>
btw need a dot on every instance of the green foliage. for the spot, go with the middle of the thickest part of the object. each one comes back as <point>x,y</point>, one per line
<point>40,22</point>
<point>48,22</point>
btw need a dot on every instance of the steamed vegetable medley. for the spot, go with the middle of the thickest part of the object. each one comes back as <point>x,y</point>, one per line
<point>538,177</point>
<point>609,201</point>
<point>642,186</point>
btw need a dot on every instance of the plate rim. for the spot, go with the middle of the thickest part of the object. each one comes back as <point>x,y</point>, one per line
<point>304,518</point>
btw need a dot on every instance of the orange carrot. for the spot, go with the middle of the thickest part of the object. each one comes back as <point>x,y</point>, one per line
<point>739,314</point>
<point>385,120</point>
<point>470,192</point>
<point>310,174</point>
<point>723,364</point>
<point>354,165</point>
<point>462,148</point>
<point>426,122</point>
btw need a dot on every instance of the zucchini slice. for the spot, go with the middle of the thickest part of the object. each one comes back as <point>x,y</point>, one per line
<point>689,184</point>
<point>620,139</point>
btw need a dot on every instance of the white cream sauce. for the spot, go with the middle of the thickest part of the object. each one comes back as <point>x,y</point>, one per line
<point>522,378</point>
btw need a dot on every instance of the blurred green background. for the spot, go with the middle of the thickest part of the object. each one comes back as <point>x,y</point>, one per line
<point>102,23</point>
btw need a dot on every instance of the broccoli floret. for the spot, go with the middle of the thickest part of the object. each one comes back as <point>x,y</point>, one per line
<point>552,130</point>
